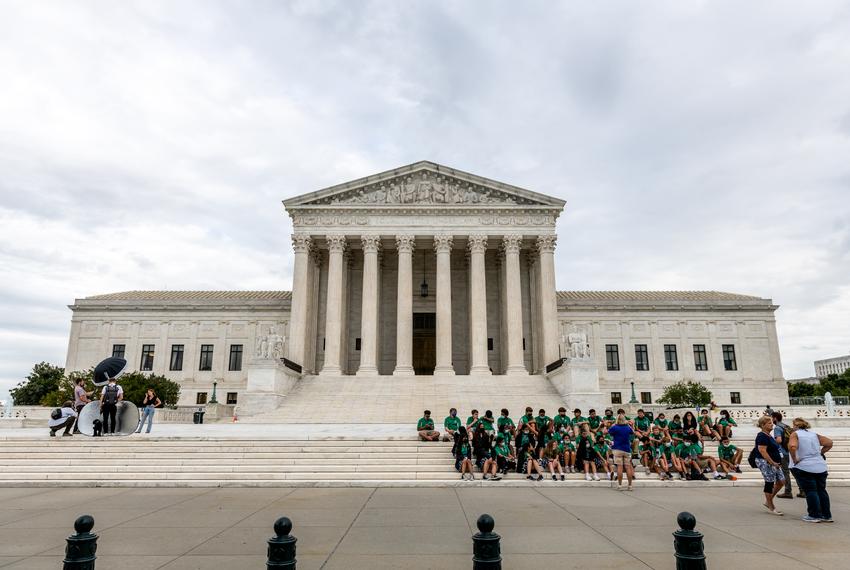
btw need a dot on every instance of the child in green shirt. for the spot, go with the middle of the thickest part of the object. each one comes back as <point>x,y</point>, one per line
<point>562,422</point>
<point>425,427</point>
<point>451,424</point>
<point>505,458</point>
<point>505,424</point>
<point>593,420</point>
<point>602,452</point>
<point>724,424</point>
<point>568,451</point>
<point>674,429</point>
<point>730,456</point>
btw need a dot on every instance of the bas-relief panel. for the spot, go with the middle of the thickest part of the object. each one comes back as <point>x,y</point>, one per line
<point>179,329</point>
<point>120,329</point>
<point>640,329</point>
<point>668,329</point>
<point>697,329</point>
<point>208,329</point>
<point>148,330</point>
<point>321,222</point>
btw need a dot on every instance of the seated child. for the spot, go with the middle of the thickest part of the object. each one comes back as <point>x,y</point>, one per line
<point>562,422</point>
<point>730,456</point>
<point>463,455</point>
<point>642,424</point>
<point>525,440</point>
<point>568,452</point>
<point>528,419</point>
<point>659,460</point>
<point>487,423</point>
<point>550,457</point>
<point>593,420</point>
<point>484,455</point>
<point>472,421</point>
<point>531,464</point>
<point>505,458</point>
<point>705,428</point>
<point>577,421</point>
<point>585,453</point>
<point>451,424</point>
<point>662,423</point>
<point>674,429</point>
<point>505,424</point>
<point>698,460</point>
<point>602,452</point>
<point>646,455</point>
<point>724,425</point>
<point>425,427</point>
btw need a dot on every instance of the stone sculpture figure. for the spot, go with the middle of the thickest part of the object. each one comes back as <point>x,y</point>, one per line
<point>270,346</point>
<point>578,343</point>
<point>830,404</point>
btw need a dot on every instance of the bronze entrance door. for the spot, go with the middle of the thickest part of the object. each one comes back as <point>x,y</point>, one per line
<point>424,343</point>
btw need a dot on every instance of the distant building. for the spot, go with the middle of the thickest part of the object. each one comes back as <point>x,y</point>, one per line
<point>836,365</point>
<point>809,380</point>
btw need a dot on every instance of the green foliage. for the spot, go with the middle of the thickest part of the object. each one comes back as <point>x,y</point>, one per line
<point>43,379</point>
<point>686,394</point>
<point>836,384</point>
<point>65,391</point>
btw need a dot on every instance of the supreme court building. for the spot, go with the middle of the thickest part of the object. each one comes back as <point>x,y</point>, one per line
<point>427,270</point>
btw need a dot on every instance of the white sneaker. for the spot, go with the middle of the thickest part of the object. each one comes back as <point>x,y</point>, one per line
<point>587,476</point>
<point>596,477</point>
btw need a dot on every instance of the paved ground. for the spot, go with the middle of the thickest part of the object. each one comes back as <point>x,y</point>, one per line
<point>415,528</point>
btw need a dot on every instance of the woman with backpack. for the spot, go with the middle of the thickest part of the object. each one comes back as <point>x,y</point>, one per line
<point>768,459</point>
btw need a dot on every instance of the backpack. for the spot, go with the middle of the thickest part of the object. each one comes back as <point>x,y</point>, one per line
<point>786,436</point>
<point>56,414</point>
<point>111,395</point>
<point>751,458</point>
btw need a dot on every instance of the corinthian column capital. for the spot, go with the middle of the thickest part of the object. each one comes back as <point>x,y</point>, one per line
<point>546,243</point>
<point>477,243</point>
<point>336,243</point>
<point>371,244</point>
<point>512,243</point>
<point>301,243</point>
<point>405,243</point>
<point>443,243</point>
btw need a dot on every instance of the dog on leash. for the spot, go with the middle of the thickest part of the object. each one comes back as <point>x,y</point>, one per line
<point>97,427</point>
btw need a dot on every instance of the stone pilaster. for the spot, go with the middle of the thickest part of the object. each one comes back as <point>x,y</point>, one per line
<point>404,312</point>
<point>334,315</point>
<point>301,245</point>
<point>478,304</point>
<point>443,247</point>
<point>548,299</point>
<point>369,312</point>
<point>511,245</point>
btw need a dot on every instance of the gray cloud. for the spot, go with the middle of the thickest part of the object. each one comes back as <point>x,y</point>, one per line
<point>698,145</point>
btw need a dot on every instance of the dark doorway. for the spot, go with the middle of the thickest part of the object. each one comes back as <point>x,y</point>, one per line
<point>424,343</point>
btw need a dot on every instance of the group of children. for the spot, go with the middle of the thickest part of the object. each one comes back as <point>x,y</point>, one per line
<point>538,444</point>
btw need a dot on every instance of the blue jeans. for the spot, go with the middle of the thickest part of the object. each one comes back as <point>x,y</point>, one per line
<point>814,485</point>
<point>147,414</point>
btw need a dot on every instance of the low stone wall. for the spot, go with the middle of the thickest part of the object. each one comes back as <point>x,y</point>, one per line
<point>818,415</point>
<point>37,416</point>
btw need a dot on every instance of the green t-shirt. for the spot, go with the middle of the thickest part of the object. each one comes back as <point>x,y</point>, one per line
<point>470,421</point>
<point>452,423</point>
<point>523,440</point>
<point>693,449</point>
<point>661,423</point>
<point>704,419</point>
<point>644,448</point>
<point>486,424</point>
<point>667,450</point>
<point>542,422</point>
<point>504,421</point>
<point>674,426</point>
<point>611,419</point>
<point>425,423</point>
<point>502,450</point>
<point>656,436</point>
<point>579,420</point>
<point>680,449</point>
<point>566,446</point>
<point>602,450</point>
<point>726,452</point>
<point>594,421</point>
<point>526,419</point>
<point>561,421</point>
<point>642,423</point>
<point>727,422</point>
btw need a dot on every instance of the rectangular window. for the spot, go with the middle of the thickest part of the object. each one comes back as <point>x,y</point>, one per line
<point>231,398</point>
<point>235,362</point>
<point>729,362</point>
<point>646,397</point>
<point>206,357</point>
<point>735,397</point>
<point>201,398</point>
<point>356,344</point>
<point>671,359</point>
<point>616,397</point>
<point>641,357</point>
<point>700,360</point>
<point>612,357</point>
<point>146,365</point>
<point>118,350</point>
<point>489,344</point>
<point>176,357</point>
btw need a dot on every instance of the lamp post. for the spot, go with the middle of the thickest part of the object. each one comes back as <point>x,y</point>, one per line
<point>213,400</point>
<point>632,401</point>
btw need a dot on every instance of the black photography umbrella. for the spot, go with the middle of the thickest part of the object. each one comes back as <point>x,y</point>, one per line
<point>109,368</point>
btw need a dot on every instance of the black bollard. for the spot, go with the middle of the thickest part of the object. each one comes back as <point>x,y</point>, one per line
<point>282,546</point>
<point>687,543</point>
<point>486,552</point>
<point>81,548</point>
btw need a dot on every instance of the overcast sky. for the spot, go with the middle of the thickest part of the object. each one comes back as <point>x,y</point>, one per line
<point>699,145</point>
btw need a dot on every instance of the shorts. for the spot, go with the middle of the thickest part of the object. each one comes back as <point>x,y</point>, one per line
<point>770,473</point>
<point>621,457</point>
<point>543,462</point>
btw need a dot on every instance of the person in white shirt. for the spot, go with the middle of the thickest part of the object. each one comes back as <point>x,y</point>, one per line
<point>66,419</point>
<point>109,398</point>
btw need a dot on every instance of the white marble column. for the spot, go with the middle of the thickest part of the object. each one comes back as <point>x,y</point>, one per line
<point>369,311</point>
<point>404,312</point>
<point>478,305</point>
<point>333,306</point>
<point>548,298</point>
<point>443,247</point>
<point>301,245</point>
<point>513,300</point>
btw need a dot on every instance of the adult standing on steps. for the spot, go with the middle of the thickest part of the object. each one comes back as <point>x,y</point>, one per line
<point>808,464</point>
<point>622,432</point>
<point>81,398</point>
<point>769,461</point>
<point>782,435</point>
<point>150,404</point>
<point>110,396</point>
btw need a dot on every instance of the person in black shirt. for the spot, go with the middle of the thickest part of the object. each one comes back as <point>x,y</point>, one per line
<point>769,461</point>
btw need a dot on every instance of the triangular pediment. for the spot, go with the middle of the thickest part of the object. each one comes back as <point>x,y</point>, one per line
<point>425,184</point>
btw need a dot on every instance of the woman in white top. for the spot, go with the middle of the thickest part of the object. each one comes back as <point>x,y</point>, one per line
<point>808,464</point>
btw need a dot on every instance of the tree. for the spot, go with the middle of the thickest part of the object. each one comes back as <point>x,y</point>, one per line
<point>65,391</point>
<point>135,385</point>
<point>801,389</point>
<point>43,379</point>
<point>686,394</point>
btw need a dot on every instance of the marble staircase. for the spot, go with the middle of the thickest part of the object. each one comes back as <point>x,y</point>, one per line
<point>401,399</point>
<point>218,462</point>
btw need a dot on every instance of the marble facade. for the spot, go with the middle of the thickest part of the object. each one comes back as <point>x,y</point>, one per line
<point>429,270</point>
